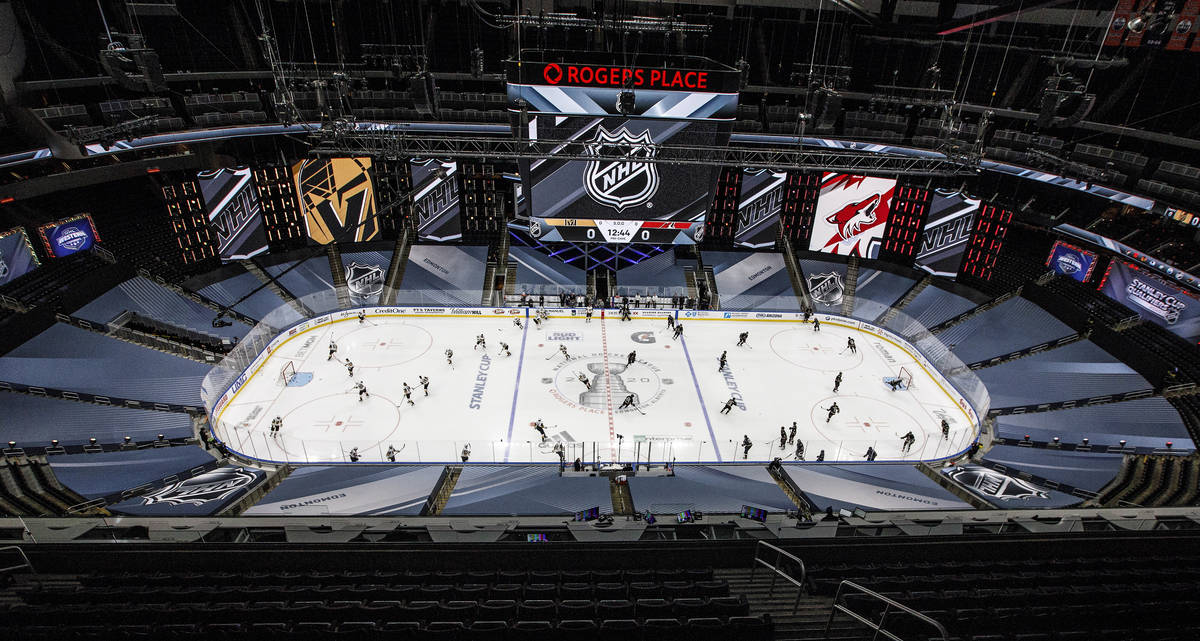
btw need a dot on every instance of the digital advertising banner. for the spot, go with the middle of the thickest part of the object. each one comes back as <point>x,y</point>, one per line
<point>234,212</point>
<point>852,213</point>
<point>1154,298</point>
<point>759,205</point>
<point>947,232</point>
<point>337,199</point>
<point>17,257</point>
<point>1069,260</point>
<point>620,195</point>
<point>436,199</point>
<point>69,235</point>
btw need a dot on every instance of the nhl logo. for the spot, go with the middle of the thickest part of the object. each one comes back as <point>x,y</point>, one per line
<point>615,177</point>
<point>3,269</point>
<point>364,280</point>
<point>1069,263</point>
<point>826,289</point>
<point>72,238</point>
<point>198,490</point>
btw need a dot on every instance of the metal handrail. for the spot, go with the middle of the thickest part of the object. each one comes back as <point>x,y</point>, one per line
<point>780,553</point>
<point>888,605</point>
<point>26,564</point>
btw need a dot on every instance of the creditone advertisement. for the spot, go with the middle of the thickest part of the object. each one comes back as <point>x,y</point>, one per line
<point>1154,298</point>
<point>17,257</point>
<point>234,212</point>
<point>436,199</point>
<point>852,213</point>
<point>1069,260</point>
<point>69,235</point>
<point>619,195</point>
<point>947,232</point>
<point>337,199</point>
<point>759,205</point>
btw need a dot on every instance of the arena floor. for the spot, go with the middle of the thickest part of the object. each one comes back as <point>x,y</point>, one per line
<point>488,401</point>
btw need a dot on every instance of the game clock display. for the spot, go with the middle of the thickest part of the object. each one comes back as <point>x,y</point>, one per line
<point>615,231</point>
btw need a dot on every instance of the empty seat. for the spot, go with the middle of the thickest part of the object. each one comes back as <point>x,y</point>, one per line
<point>536,609</point>
<point>575,590</point>
<point>576,609</point>
<point>498,609</point>
<point>645,590</point>
<point>541,591</point>
<point>706,629</point>
<point>729,606</point>
<point>676,589</point>
<point>665,630</point>
<point>615,609</point>
<point>653,608</point>
<point>611,591</point>
<point>689,607</point>
<point>512,591</point>
<point>533,631</point>
<point>488,630</point>
<point>578,630</point>
<point>444,630</point>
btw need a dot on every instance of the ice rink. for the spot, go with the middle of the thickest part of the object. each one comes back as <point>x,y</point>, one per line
<point>487,401</point>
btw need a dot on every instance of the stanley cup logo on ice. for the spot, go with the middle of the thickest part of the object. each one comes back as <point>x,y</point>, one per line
<point>597,397</point>
<point>615,178</point>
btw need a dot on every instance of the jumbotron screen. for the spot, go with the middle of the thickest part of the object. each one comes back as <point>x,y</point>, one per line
<point>436,199</point>
<point>852,213</point>
<point>337,199</point>
<point>234,212</point>
<point>619,196</point>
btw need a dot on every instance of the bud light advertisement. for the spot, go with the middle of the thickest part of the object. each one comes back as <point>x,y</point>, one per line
<point>1072,261</point>
<point>1153,298</point>
<point>69,235</point>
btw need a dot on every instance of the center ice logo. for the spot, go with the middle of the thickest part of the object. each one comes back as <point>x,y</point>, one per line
<point>615,177</point>
<point>641,379</point>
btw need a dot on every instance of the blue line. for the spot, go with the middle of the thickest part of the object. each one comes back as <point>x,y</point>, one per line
<point>703,409</point>
<point>512,417</point>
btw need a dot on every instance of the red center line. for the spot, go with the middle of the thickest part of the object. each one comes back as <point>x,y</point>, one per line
<point>612,431</point>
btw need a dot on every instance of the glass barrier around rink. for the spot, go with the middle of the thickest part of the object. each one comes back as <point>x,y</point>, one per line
<point>924,346</point>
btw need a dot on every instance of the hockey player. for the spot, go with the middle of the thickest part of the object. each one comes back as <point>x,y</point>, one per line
<point>588,312</point>
<point>632,358</point>
<point>837,382</point>
<point>895,383</point>
<point>807,314</point>
<point>562,454</point>
<point>670,321</point>
<point>391,453</point>
<point>799,450</point>
<point>353,455</point>
<point>424,383</point>
<point>563,348</point>
<point>504,349</point>
<point>583,379</point>
<point>723,361</point>
<point>816,325</point>
<point>480,341</point>
<point>833,409</point>
<point>537,321</point>
<point>820,456</point>
<point>625,314</point>
<point>349,368</point>
<point>450,357</point>
<point>408,394</point>
<point>729,405</point>
<point>678,330</point>
<point>851,346</point>
<point>871,454</point>
<point>792,432</point>
<point>276,425</point>
<point>362,391</point>
<point>362,317</point>
<point>746,446</point>
<point>630,401</point>
<point>541,428</point>
<point>742,339</point>
<point>466,452</point>
<point>945,430</point>
<point>332,350</point>
<point>782,437</point>
<point>517,322</point>
<point>907,442</point>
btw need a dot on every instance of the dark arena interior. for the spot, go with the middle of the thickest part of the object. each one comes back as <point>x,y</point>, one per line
<point>642,320</point>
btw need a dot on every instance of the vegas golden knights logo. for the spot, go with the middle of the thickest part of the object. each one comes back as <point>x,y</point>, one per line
<point>337,199</point>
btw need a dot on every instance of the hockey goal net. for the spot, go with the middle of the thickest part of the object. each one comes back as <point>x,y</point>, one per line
<point>286,373</point>
<point>905,378</point>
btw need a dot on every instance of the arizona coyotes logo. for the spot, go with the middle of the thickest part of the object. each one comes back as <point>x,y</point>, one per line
<point>852,219</point>
<point>616,177</point>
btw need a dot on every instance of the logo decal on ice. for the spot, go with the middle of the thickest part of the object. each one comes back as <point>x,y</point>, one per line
<point>198,490</point>
<point>992,484</point>
<point>827,289</point>
<point>642,379</point>
<point>364,280</point>
<point>615,177</point>
<point>642,337</point>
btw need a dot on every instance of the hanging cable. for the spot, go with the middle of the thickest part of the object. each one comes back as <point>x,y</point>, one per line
<point>812,60</point>
<point>1004,59</point>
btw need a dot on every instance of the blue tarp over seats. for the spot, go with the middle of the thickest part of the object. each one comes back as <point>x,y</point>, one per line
<point>525,490</point>
<point>538,273</point>
<point>66,357</point>
<point>752,280</point>
<point>444,274</point>
<point>232,289</point>
<point>871,486</point>
<point>1143,422</point>
<point>1077,370</point>
<point>1084,470</point>
<point>708,488</point>
<point>310,277</point>
<point>35,420</point>
<point>147,298</point>
<point>876,291</point>
<point>203,495</point>
<point>351,490</point>
<point>96,475</point>
<point>1013,325</point>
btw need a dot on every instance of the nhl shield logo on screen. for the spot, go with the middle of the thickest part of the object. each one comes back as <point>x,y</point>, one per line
<point>364,280</point>
<point>615,177</point>
<point>826,289</point>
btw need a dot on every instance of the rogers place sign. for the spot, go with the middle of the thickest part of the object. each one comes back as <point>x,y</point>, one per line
<point>554,73</point>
